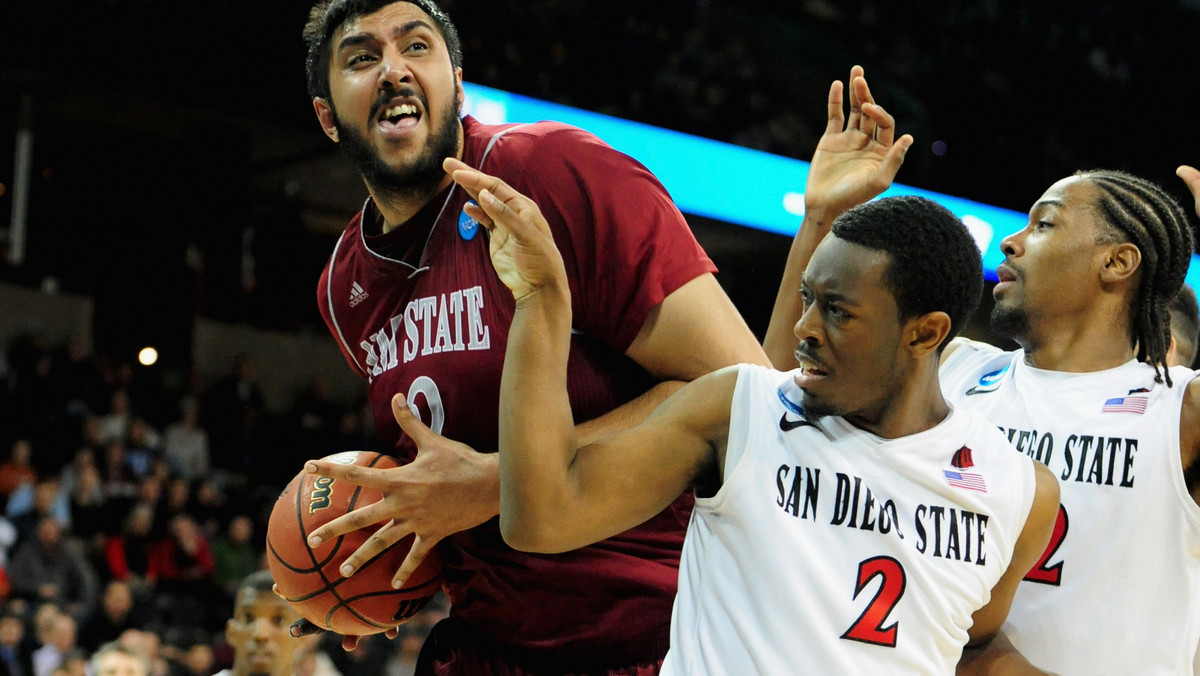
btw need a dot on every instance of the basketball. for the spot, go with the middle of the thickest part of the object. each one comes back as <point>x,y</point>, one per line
<point>364,603</point>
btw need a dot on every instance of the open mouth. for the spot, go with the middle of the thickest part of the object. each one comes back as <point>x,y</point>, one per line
<point>399,117</point>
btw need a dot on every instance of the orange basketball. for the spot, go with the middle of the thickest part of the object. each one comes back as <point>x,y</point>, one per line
<point>364,603</point>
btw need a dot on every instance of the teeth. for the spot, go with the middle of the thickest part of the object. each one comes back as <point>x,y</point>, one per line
<point>403,109</point>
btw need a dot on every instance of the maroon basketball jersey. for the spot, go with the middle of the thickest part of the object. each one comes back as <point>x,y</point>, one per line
<point>435,328</point>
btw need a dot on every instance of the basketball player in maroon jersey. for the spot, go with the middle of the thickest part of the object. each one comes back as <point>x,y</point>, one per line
<point>411,297</point>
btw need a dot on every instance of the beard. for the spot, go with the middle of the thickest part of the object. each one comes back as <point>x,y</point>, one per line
<point>815,410</point>
<point>1010,322</point>
<point>422,175</point>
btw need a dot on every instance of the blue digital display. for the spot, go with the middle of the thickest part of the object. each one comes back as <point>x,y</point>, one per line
<point>730,183</point>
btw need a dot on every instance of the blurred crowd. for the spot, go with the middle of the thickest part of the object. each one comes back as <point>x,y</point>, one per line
<point>118,522</point>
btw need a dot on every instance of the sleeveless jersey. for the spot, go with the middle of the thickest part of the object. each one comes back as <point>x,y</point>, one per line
<point>829,550</point>
<point>1118,591</point>
<point>436,331</point>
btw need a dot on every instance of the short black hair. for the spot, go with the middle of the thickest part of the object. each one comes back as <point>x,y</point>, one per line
<point>1147,216</point>
<point>934,262</point>
<point>1185,324</point>
<point>329,15</point>
<point>259,580</point>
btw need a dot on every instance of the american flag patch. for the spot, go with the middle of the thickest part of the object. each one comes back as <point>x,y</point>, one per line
<point>966,480</point>
<point>1125,405</point>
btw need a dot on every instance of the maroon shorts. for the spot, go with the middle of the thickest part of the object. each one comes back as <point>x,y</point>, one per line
<point>454,648</point>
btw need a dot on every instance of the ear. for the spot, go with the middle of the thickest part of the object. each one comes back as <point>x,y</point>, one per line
<point>233,632</point>
<point>326,118</point>
<point>458,89</point>
<point>926,332</point>
<point>1121,262</point>
<point>1172,351</point>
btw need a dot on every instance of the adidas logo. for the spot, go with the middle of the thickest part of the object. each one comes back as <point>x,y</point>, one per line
<point>357,295</point>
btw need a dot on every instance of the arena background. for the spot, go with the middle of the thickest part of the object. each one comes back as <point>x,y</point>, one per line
<point>183,196</point>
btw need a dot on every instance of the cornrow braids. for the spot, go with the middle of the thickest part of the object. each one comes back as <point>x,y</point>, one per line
<point>1153,221</point>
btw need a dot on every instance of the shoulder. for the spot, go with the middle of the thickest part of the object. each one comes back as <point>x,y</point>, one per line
<point>964,357</point>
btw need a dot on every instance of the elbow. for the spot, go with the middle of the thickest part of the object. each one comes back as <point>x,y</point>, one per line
<point>525,534</point>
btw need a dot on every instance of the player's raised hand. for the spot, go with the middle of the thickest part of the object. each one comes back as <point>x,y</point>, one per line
<point>521,245</point>
<point>858,156</point>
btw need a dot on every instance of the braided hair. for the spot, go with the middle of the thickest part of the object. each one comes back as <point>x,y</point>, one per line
<point>1144,214</point>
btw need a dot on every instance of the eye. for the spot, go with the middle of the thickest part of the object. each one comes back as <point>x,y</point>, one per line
<point>359,59</point>
<point>417,46</point>
<point>835,311</point>
<point>1042,225</point>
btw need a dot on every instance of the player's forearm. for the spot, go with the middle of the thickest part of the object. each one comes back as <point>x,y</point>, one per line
<point>627,415</point>
<point>780,339</point>
<point>537,432</point>
<point>996,657</point>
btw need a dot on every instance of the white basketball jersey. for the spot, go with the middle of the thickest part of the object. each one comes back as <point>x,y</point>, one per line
<point>829,550</point>
<point>1118,591</point>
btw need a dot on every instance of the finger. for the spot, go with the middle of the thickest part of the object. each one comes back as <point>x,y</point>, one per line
<point>392,633</point>
<point>835,113</point>
<point>416,556</point>
<point>519,215</point>
<point>476,212</point>
<point>885,124</point>
<point>303,627</point>
<point>861,93</point>
<point>355,519</point>
<point>349,643</point>
<point>475,181</point>
<point>894,158</point>
<point>1191,177</point>
<point>409,421</point>
<point>358,475</point>
<point>855,102</point>
<point>384,537</point>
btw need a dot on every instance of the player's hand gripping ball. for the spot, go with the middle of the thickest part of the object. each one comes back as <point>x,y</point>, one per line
<point>364,603</point>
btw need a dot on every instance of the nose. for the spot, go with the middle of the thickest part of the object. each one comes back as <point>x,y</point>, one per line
<point>808,327</point>
<point>1014,244</point>
<point>260,628</point>
<point>394,70</point>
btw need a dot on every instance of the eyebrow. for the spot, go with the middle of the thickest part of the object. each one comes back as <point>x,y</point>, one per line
<point>360,38</point>
<point>830,296</point>
<point>1045,203</point>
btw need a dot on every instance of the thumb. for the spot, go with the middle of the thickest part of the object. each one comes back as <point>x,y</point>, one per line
<point>895,157</point>
<point>409,423</point>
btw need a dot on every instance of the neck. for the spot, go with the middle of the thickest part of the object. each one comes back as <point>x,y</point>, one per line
<point>1066,344</point>
<point>918,405</point>
<point>397,207</point>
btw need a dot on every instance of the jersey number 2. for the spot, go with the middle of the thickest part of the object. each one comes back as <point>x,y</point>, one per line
<point>869,628</point>
<point>1042,572</point>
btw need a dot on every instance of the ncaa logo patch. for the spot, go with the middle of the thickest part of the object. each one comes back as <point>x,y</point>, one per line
<point>988,382</point>
<point>467,227</point>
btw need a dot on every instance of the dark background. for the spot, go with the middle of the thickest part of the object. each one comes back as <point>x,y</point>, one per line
<point>179,170</point>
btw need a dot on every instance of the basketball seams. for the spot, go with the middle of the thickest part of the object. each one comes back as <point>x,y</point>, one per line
<point>335,597</point>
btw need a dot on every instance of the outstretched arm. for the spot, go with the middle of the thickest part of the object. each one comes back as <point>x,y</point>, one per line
<point>554,496</point>
<point>856,159</point>
<point>1189,420</point>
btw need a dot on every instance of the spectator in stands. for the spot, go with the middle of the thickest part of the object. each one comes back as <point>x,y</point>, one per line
<point>185,444</point>
<point>115,659</point>
<point>15,658</point>
<point>30,502</point>
<point>115,615</point>
<point>56,638</point>
<point>17,469</point>
<point>50,568</point>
